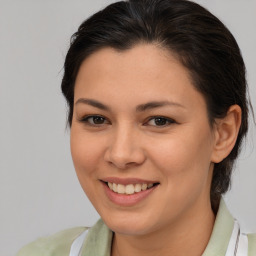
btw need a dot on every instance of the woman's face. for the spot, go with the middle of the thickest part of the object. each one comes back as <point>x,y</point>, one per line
<point>138,120</point>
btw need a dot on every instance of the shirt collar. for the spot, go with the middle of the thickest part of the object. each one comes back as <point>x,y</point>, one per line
<point>221,233</point>
<point>98,241</point>
<point>99,238</point>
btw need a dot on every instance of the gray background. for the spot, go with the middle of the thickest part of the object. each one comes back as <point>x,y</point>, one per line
<point>39,191</point>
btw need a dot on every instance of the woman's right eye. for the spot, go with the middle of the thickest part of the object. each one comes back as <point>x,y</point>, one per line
<point>94,120</point>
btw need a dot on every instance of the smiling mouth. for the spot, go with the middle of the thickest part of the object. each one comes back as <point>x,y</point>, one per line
<point>130,189</point>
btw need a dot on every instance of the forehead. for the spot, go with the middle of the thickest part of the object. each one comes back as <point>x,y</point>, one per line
<point>140,59</point>
<point>144,72</point>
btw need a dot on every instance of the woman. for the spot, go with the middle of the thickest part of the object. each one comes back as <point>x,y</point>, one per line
<point>156,91</point>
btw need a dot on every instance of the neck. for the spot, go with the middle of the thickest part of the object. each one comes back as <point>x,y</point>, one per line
<point>188,236</point>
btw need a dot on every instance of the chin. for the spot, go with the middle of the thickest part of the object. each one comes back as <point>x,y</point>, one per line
<point>129,224</point>
<point>129,229</point>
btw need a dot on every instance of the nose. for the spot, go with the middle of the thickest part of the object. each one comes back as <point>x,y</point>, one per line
<point>124,149</point>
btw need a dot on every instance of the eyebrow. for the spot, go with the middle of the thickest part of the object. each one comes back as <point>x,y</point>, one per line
<point>139,108</point>
<point>93,103</point>
<point>156,104</point>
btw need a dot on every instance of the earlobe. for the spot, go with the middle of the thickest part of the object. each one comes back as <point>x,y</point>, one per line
<point>226,132</point>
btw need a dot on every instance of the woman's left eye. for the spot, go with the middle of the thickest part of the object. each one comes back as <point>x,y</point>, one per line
<point>160,121</point>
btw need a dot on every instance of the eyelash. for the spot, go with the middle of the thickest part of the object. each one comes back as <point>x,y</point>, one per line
<point>86,118</point>
<point>169,121</point>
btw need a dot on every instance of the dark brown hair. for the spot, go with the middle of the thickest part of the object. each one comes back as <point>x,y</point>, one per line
<point>199,39</point>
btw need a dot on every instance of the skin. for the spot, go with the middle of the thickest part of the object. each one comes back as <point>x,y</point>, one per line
<point>176,218</point>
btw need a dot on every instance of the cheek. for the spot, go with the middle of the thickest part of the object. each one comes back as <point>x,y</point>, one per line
<point>184,161</point>
<point>85,153</point>
<point>179,151</point>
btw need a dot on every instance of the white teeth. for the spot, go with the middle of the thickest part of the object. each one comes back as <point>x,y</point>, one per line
<point>120,189</point>
<point>110,185</point>
<point>150,185</point>
<point>144,186</point>
<point>137,188</point>
<point>114,187</point>
<point>129,189</point>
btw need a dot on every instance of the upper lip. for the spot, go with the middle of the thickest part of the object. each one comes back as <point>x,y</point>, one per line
<point>127,181</point>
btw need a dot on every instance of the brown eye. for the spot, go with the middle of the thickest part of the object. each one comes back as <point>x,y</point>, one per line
<point>97,120</point>
<point>160,121</point>
<point>94,120</point>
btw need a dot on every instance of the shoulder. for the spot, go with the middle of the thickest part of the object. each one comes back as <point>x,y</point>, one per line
<point>54,245</point>
<point>251,244</point>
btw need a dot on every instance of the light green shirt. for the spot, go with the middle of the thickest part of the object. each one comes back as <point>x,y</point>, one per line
<point>99,238</point>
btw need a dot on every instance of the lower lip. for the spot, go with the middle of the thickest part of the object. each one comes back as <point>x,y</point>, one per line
<point>127,200</point>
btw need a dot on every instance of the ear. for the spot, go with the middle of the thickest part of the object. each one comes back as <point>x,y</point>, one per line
<point>226,132</point>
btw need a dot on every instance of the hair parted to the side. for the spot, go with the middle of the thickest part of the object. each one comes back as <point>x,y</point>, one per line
<point>199,40</point>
